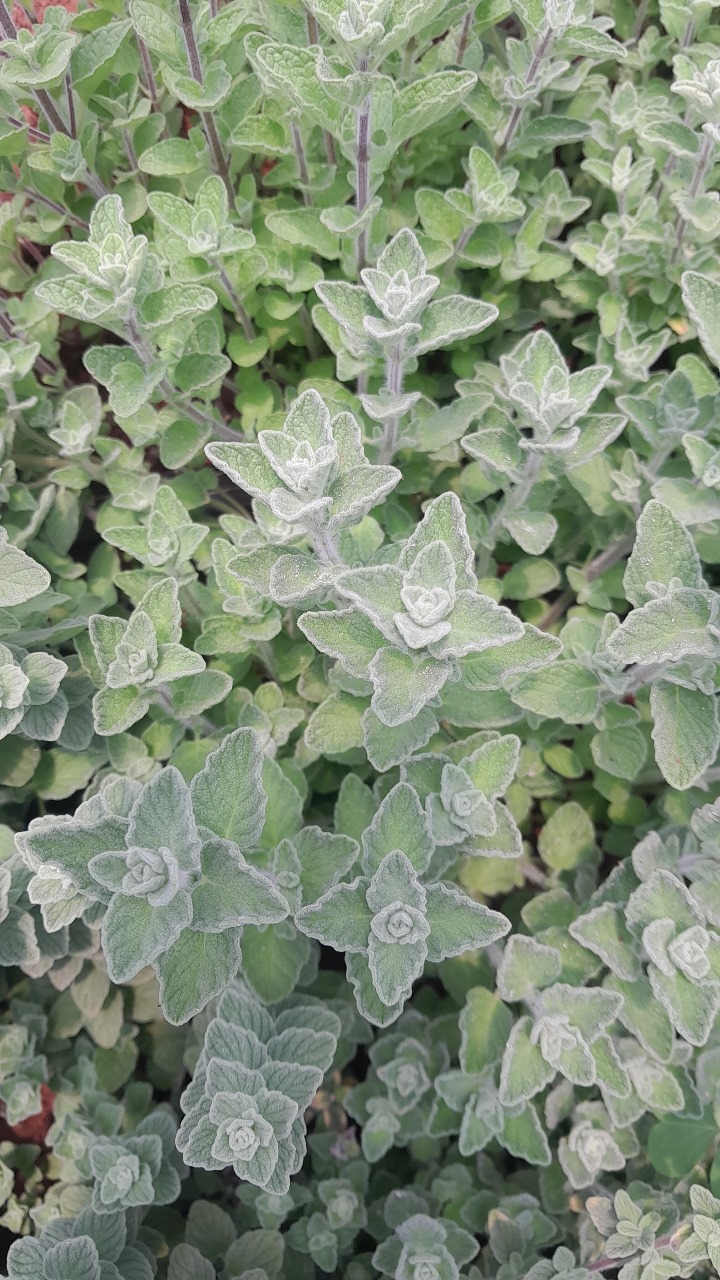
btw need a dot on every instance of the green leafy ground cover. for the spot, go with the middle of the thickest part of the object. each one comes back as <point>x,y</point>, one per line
<point>359,640</point>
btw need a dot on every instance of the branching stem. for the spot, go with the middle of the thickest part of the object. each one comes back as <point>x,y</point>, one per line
<point>150,81</point>
<point>609,1264</point>
<point>47,105</point>
<point>303,172</point>
<point>238,308</point>
<point>394,380</point>
<point>602,562</point>
<point>313,36</point>
<point>703,164</point>
<point>37,134</point>
<point>517,497</point>
<point>464,39</point>
<point>71,105</point>
<point>516,115</point>
<point>362,172</point>
<point>212,136</point>
<point>325,546</point>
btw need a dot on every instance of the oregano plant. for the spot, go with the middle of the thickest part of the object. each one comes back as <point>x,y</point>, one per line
<point>359,640</point>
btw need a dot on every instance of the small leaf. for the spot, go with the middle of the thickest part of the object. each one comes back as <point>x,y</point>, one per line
<point>228,796</point>
<point>686,732</point>
<point>20,577</point>
<point>568,837</point>
<point>676,1145</point>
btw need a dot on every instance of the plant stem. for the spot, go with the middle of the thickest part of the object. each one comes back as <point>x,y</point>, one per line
<point>670,163</point>
<point>408,57</point>
<point>150,81</point>
<point>299,149</point>
<point>639,21</point>
<point>602,562</point>
<point>43,365</point>
<point>464,40</point>
<point>38,134</point>
<point>462,242</point>
<point>362,172</point>
<point>643,674</point>
<point>265,654</point>
<point>219,157</point>
<point>701,169</point>
<point>532,71</point>
<point>212,136</point>
<point>311,27</point>
<point>517,497</point>
<point>325,546</point>
<point>191,45</point>
<point>533,874</point>
<point>394,378</point>
<point>6,23</point>
<point>132,156</point>
<point>31,250</point>
<point>71,104</point>
<point>606,1264</point>
<point>313,36</point>
<point>46,104</point>
<point>194,723</point>
<point>240,312</point>
<point>185,410</point>
<point>56,208</point>
<point>308,331</point>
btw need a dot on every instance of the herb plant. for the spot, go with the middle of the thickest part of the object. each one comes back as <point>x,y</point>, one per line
<point>359,640</point>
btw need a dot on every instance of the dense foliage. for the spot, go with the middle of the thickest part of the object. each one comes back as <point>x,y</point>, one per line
<point>360,502</point>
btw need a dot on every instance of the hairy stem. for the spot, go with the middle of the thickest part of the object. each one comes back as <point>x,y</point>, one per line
<point>464,38</point>
<point>670,163</point>
<point>216,149</point>
<point>462,242</point>
<point>701,168</point>
<point>7,26</point>
<point>408,58</point>
<point>602,562</point>
<point>308,331</point>
<point>640,17</point>
<point>183,408</point>
<point>47,105</point>
<point>299,149</point>
<point>394,379</point>
<point>517,497</point>
<point>608,1264</point>
<point>643,675</point>
<point>240,312</point>
<point>37,134</point>
<point>313,36</point>
<point>56,208</point>
<point>191,45</point>
<point>195,723</point>
<point>132,156</point>
<point>42,365</point>
<point>150,81</point>
<point>362,172</point>
<point>212,136</point>
<point>71,104</point>
<point>516,115</point>
<point>149,74</point>
<point>325,546</point>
